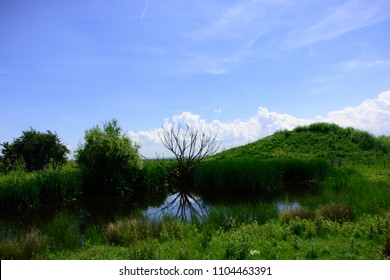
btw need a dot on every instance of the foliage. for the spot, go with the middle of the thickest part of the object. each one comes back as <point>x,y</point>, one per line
<point>37,150</point>
<point>108,160</point>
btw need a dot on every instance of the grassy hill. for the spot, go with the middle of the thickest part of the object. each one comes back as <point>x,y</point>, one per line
<point>319,140</point>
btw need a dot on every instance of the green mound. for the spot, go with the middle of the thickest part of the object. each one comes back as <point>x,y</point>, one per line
<point>315,141</point>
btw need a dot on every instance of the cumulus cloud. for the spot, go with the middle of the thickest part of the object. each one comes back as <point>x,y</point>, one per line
<point>372,115</point>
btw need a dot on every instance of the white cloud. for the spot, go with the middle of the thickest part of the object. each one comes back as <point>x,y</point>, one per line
<point>353,65</point>
<point>372,115</point>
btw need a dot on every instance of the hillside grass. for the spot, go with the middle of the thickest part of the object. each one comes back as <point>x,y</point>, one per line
<point>316,141</point>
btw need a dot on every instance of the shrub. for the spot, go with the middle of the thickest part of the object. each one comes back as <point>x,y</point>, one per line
<point>109,162</point>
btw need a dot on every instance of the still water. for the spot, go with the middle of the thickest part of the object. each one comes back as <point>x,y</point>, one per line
<point>104,210</point>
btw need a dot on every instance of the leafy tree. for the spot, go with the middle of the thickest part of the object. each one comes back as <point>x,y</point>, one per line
<point>384,143</point>
<point>109,161</point>
<point>36,150</point>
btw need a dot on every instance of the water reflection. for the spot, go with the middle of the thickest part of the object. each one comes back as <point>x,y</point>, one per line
<point>180,204</point>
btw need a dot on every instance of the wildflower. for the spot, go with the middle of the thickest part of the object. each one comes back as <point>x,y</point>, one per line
<point>254,252</point>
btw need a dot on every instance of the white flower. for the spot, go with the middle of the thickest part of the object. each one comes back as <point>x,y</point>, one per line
<point>254,252</point>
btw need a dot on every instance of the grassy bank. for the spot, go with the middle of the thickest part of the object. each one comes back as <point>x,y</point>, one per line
<point>136,238</point>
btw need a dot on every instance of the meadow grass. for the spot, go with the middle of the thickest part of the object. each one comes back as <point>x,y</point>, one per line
<point>317,238</point>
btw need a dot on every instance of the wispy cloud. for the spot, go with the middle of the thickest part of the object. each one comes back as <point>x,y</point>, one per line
<point>144,11</point>
<point>372,115</point>
<point>353,15</point>
<point>238,28</point>
<point>357,65</point>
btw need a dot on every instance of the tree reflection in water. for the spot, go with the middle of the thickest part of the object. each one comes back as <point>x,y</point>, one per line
<point>184,205</point>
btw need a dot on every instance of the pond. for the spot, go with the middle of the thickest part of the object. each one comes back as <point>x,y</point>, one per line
<point>100,210</point>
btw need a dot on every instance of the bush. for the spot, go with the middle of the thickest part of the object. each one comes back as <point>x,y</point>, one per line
<point>109,162</point>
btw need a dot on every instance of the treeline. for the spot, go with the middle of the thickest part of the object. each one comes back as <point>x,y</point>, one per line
<point>34,168</point>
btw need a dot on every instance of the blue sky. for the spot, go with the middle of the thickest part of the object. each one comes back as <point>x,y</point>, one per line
<point>244,68</point>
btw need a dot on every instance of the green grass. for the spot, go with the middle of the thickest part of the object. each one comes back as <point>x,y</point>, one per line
<point>316,141</point>
<point>260,176</point>
<point>318,238</point>
<point>26,189</point>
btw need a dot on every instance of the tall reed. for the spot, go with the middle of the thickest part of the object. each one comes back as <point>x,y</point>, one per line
<point>264,176</point>
<point>23,189</point>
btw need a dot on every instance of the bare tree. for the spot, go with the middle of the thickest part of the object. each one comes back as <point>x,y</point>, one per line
<point>190,146</point>
<point>185,205</point>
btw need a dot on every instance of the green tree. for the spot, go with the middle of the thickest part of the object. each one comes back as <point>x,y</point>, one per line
<point>109,161</point>
<point>37,150</point>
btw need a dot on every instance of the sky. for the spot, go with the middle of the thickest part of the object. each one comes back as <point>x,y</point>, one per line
<point>240,68</point>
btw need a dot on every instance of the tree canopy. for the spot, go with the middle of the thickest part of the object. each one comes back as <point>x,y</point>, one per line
<point>37,150</point>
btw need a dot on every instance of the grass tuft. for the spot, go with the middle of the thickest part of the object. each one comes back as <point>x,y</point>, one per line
<point>338,212</point>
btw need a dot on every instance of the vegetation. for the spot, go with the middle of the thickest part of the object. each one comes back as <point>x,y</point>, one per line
<point>260,176</point>
<point>22,189</point>
<point>344,212</point>
<point>109,161</point>
<point>316,141</point>
<point>36,150</point>
<point>137,238</point>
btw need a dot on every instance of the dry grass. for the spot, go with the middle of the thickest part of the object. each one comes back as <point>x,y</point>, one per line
<point>299,212</point>
<point>338,212</point>
<point>25,247</point>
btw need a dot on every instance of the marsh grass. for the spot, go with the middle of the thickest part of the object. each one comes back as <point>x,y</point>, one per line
<point>64,232</point>
<point>153,176</point>
<point>338,212</point>
<point>262,176</point>
<point>348,186</point>
<point>23,247</point>
<point>227,217</point>
<point>26,189</point>
<point>130,230</point>
<point>294,213</point>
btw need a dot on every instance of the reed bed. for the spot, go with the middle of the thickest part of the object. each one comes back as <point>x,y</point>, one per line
<point>26,189</point>
<point>264,176</point>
